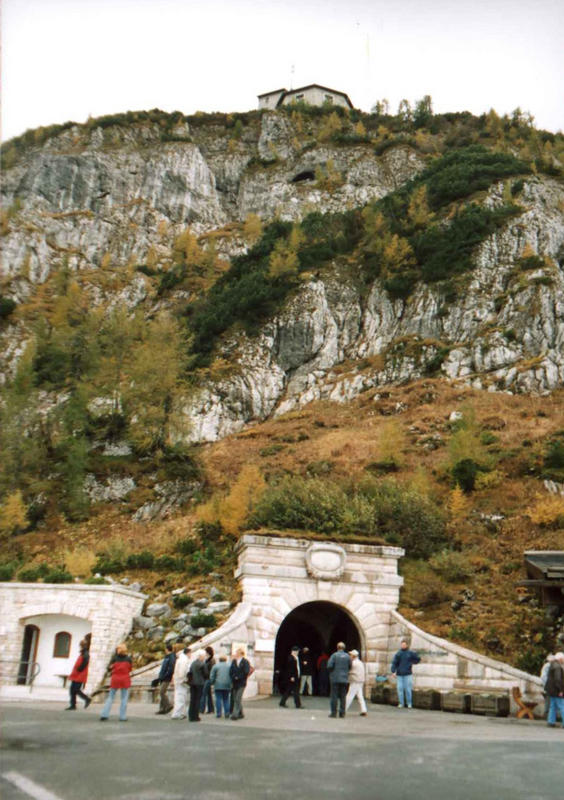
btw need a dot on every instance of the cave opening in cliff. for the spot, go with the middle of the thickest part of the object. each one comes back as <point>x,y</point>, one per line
<point>318,625</point>
<point>307,175</point>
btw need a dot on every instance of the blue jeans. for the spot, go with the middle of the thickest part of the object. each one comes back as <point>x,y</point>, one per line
<point>206,697</point>
<point>222,699</point>
<point>122,704</point>
<point>405,688</point>
<point>556,704</point>
<point>338,693</point>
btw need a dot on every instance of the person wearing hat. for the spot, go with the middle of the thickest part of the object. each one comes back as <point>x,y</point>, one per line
<point>554,688</point>
<point>357,676</point>
<point>292,679</point>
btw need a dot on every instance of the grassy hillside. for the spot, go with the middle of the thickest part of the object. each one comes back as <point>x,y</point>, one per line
<point>464,586</point>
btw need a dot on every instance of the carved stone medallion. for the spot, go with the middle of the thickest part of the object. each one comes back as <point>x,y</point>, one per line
<point>326,561</point>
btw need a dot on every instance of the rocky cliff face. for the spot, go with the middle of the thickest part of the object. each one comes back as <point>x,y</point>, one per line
<point>123,192</point>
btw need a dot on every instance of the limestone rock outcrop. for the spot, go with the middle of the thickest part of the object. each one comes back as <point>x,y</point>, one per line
<point>124,192</point>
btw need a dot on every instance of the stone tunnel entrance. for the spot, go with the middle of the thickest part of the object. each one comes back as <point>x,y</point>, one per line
<point>314,593</point>
<point>318,625</point>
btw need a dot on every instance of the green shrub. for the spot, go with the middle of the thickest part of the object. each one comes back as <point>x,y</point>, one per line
<point>51,365</point>
<point>462,172</point>
<point>464,473</point>
<point>442,251</point>
<point>181,600</point>
<point>452,566</point>
<point>375,508</point>
<point>167,562</point>
<point>8,570</point>
<point>209,531</point>
<point>95,581</point>
<point>554,458</point>
<point>7,306</point>
<point>204,561</point>
<point>29,575</point>
<point>172,278</point>
<point>203,621</point>
<point>271,450</point>
<point>143,560</point>
<point>108,566</point>
<point>58,575</point>
<point>487,437</point>
<point>186,546</point>
<point>179,464</point>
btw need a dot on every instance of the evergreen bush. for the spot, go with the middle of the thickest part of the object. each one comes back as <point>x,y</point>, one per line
<point>380,509</point>
<point>7,306</point>
<point>203,621</point>
<point>181,600</point>
<point>7,570</point>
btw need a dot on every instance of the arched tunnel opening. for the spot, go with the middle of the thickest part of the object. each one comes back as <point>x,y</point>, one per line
<point>318,625</point>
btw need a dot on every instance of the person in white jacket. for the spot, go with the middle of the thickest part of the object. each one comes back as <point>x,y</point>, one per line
<point>357,677</point>
<point>183,661</point>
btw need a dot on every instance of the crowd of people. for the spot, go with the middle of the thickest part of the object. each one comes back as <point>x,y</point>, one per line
<point>203,683</point>
<point>201,679</point>
<point>345,674</point>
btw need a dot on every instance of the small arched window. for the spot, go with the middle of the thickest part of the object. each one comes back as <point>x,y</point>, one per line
<point>62,645</point>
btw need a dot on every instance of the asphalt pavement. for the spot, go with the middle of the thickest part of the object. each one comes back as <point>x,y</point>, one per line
<point>274,754</point>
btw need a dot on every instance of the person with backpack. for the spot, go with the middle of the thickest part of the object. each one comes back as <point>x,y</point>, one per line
<point>555,690</point>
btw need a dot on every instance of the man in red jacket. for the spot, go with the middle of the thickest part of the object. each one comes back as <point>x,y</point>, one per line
<point>78,678</point>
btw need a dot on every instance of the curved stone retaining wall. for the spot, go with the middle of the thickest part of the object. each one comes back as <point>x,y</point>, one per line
<point>446,666</point>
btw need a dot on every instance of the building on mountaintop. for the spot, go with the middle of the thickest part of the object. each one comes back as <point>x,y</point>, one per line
<point>312,95</point>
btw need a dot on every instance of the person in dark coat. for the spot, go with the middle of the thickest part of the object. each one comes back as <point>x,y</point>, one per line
<point>239,672</point>
<point>554,688</point>
<point>78,678</point>
<point>403,661</point>
<point>120,668</point>
<point>338,668</point>
<point>165,677</point>
<point>292,679</point>
<point>197,676</point>
<point>306,671</point>
<point>207,692</point>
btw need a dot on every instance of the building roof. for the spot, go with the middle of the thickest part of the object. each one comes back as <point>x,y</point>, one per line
<point>287,92</point>
<point>546,566</point>
<point>276,91</point>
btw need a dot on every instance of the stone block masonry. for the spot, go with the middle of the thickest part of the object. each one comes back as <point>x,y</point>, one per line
<point>106,611</point>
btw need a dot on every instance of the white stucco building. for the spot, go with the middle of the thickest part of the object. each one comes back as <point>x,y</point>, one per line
<point>311,95</point>
<point>41,626</point>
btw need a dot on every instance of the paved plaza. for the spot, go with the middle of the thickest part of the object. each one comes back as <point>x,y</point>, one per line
<point>392,754</point>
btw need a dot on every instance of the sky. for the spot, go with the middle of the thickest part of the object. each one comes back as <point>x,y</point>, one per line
<point>71,59</point>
